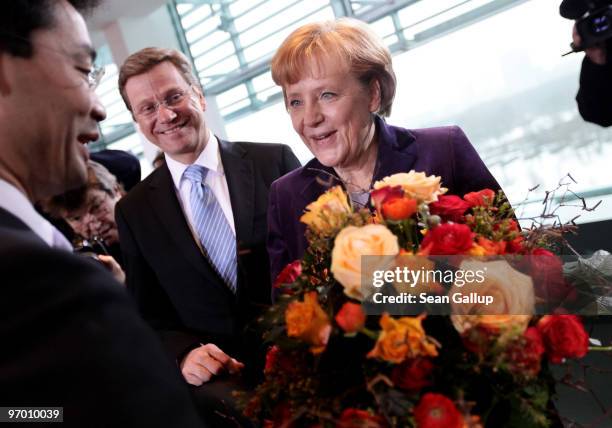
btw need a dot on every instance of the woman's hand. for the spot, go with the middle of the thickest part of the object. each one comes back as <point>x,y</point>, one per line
<point>111,264</point>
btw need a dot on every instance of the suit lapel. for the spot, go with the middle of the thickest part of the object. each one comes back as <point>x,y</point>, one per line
<point>241,185</point>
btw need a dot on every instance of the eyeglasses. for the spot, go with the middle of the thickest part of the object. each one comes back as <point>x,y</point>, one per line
<point>173,100</point>
<point>95,76</point>
<point>93,208</point>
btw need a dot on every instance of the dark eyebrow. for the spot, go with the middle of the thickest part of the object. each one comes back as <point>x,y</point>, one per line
<point>91,52</point>
<point>88,50</point>
<point>173,91</point>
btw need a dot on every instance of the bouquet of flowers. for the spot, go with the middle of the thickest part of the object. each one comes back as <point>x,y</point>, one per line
<point>336,361</point>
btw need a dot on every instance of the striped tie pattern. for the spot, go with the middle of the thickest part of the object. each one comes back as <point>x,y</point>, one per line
<point>215,234</point>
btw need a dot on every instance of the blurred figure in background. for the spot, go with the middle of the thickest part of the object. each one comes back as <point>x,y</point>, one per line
<point>594,96</point>
<point>90,210</point>
<point>123,165</point>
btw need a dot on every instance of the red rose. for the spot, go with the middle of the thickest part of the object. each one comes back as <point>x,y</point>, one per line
<point>281,417</point>
<point>355,418</point>
<point>449,207</point>
<point>437,411</point>
<point>564,337</point>
<point>379,196</point>
<point>398,209</point>
<point>525,354</point>
<point>289,274</point>
<point>281,362</point>
<point>448,239</point>
<point>271,359</point>
<point>512,226</point>
<point>413,375</point>
<point>515,246</point>
<point>546,271</point>
<point>483,198</point>
<point>351,317</point>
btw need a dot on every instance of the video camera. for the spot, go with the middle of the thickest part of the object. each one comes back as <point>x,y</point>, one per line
<point>595,27</point>
<point>593,20</point>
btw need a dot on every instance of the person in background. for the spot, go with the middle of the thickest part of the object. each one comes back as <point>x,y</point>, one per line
<point>594,97</point>
<point>90,210</point>
<point>338,84</point>
<point>70,337</point>
<point>123,165</point>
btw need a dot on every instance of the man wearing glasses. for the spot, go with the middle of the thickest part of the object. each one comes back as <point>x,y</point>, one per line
<point>70,336</point>
<point>193,233</point>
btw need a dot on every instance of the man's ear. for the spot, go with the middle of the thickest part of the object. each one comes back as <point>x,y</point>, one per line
<point>375,96</point>
<point>5,88</point>
<point>201,97</point>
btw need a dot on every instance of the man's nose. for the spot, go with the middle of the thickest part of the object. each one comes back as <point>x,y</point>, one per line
<point>165,113</point>
<point>98,112</point>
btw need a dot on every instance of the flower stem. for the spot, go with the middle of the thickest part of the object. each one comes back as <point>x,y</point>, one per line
<point>371,334</point>
<point>601,348</point>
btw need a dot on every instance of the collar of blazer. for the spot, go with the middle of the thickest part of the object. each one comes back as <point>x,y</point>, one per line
<point>396,153</point>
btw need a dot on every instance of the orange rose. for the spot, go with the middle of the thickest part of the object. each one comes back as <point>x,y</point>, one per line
<point>398,209</point>
<point>492,248</point>
<point>351,317</point>
<point>415,263</point>
<point>401,339</point>
<point>308,321</point>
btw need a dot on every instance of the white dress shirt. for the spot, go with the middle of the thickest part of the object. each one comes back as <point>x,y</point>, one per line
<point>15,202</point>
<point>210,158</point>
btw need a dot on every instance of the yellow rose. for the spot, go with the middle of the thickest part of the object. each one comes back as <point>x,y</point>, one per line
<point>512,292</point>
<point>416,185</point>
<point>308,321</point>
<point>401,339</point>
<point>328,212</point>
<point>353,242</point>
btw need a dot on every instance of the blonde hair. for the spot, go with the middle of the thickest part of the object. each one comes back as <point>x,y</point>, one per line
<point>145,59</point>
<point>347,40</point>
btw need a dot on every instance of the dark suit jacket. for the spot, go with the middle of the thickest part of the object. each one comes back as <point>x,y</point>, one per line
<point>72,337</point>
<point>176,288</point>
<point>444,151</point>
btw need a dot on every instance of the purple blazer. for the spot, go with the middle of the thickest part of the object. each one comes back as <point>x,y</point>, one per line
<point>443,151</point>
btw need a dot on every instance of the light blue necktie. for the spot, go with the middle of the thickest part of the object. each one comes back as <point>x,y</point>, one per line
<point>215,234</point>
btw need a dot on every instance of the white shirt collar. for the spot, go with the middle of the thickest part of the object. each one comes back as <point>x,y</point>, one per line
<point>210,158</point>
<point>15,202</point>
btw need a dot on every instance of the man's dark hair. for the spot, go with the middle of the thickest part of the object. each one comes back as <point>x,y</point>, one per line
<point>20,17</point>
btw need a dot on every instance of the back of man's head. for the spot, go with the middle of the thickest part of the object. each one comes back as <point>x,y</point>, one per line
<point>19,18</point>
